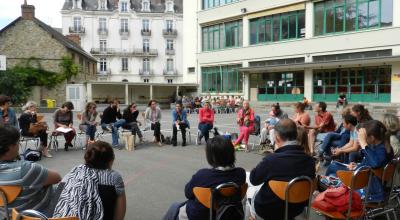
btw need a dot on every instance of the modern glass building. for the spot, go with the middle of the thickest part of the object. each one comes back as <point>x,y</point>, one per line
<point>285,50</point>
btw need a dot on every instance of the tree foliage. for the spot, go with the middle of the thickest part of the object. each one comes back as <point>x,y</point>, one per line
<point>18,81</point>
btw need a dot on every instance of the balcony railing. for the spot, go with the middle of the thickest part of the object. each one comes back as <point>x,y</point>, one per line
<point>124,32</point>
<point>170,32</point>
<point>102,31</point>
<point>143,72</point>
<point>77,30</point>
<point>168,72</point>
<point>104,73</point>
<point>103,51</point>
<point>169,51</point>
<point>146,32</point>
<point>145,52</point>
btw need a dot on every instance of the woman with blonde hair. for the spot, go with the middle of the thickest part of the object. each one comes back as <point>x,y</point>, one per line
<point>392,124</point>
<point>32,127</point>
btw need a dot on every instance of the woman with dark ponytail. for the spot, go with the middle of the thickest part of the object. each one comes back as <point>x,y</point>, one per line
<point>361,113</point>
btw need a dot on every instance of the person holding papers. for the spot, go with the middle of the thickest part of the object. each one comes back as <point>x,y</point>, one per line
<point>63,119</point>
<point>180,122</point>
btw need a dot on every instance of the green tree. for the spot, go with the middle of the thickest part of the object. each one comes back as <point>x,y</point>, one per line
<point>13,84</point>
<point>70,69</point>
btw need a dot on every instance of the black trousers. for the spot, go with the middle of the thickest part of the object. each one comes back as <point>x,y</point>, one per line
<point>182,127</point>
<point>157,131</point>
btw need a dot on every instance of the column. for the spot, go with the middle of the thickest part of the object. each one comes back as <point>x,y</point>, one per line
<point>177,90</point>
<point>308,84</point>
<point>396,13</point>
<point>395,84</point>
<point>246,81</point>
<point>126,94</point>
<point>309,19</point>
<point>245,31</point>
<point>89,93</point>
<point>151,92</point>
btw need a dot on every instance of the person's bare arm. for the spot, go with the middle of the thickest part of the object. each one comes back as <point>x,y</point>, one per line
<point>52,178</point>
<point>120,207</point>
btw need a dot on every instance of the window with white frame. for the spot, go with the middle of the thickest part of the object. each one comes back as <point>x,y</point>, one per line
<point>170,65</point>
<point>103,45</point>
<point>77,23</point>
<point>170,6</point>
<point>170,25</point>
<point>145,5</point>
<point>124,25</point>
<point>146,25</point>
<point>102,24</point>
<point>124,6</point>
<point>103,65</point>
<point>103,4</point>
<point>146,65</point>
<point>170,81</point>
<point>124,62</point>
<point>170,44</point>
<point>146,45</point>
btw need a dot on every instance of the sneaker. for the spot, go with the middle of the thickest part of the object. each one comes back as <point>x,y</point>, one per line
<point>160,144</point>
<point>66,146</point>
<point>107,129</point>
<point>48,155</point>
<point>174,144</point>
<point>141,140</point>
<point>183,144</point>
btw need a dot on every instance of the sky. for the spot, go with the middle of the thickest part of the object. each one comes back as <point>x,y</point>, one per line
<point>47,11</point>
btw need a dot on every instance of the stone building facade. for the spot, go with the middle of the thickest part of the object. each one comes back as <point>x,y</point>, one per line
<point>27,41</point>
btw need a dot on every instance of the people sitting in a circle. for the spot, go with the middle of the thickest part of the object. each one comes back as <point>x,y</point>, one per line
<point>36,180</point>
<point>220,156</point>
<point>153,118</point>
<point>275,115</point>
<point>111,120</point>
<point>31,127</point>
<point>206,122</point>
<point>93,190</point>
<point>64,118</point>
<point>179,122</point>
<point>130,116</point>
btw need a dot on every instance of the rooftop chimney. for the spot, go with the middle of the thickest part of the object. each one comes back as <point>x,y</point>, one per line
<point>28,11</point>
<point>75,38</point>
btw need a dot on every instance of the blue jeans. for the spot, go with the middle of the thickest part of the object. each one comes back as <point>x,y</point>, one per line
<point>173,211</point>
<point>205,129</point>
<point>332,139</point>
<point>91,131</point>
<point>114,130</point>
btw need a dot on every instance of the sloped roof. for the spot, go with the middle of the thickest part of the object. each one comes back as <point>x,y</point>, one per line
<point>156,6</point>
<point>56,35</point>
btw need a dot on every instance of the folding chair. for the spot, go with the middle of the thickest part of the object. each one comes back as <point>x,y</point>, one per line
<point>35,215</point>
<point>207,196</point>
<point>8,194</point>
<point>354,180</point>
<point>26,140</point>
<point>386,175</point>
<point>53,143</point>
<point>80,133</point>
<point>298,190</point>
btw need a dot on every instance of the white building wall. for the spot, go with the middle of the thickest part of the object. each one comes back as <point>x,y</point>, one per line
<point>91,39</point>
<point>190,42</point>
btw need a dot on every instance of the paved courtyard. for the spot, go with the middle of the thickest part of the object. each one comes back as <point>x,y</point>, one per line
<point>155,176</point>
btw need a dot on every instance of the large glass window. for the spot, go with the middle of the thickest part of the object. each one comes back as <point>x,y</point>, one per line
<point>222,79</point>
<point>222,36</point>
<point>102,24</point>
<point>215,3</point>
<point>277,27</point>
<point>124,25</point>
<point>335,16</point>
<point>103,65</point>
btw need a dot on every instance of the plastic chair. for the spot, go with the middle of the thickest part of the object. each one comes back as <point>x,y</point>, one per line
<point>35,215</point>
<point>206,196</point>
<point>354,180</point>
<point>386,175</point>
<point>8,194</point>
<point>298,190</point>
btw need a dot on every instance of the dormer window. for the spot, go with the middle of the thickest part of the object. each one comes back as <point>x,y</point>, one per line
<point>169,7</point>
<point>124,6</point>
<point>102,5</point>
<point>145,5</point>
<point>77,4</point>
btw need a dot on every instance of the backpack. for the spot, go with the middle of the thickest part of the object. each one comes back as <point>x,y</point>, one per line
<point>168,140</point>
<point>32,155</point>
<point>230,208</point>
<point>257,125</point>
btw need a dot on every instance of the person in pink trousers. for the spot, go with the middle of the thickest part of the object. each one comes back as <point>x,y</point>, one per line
<point>245,120</point>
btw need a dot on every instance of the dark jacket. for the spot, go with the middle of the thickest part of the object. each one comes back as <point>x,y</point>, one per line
<point>110,115</point>
<point>129,118</point>
<point>209,178</point>
<point>25,120</point>
<point>285,164</point>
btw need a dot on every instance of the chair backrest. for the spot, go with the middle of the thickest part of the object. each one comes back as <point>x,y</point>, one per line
<point>206,198</point>
<point>35,215</point>
<point>354,180</point>
<point>8,194</point>
<point>386,175</point>
<point>298,190</point>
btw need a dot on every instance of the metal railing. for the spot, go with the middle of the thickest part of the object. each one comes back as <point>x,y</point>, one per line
<point>77,30</point>
<point>168,72</point>
<point>146,32</point>
<point>102,31</point>
<point>170,32</point>
<point>143,72</point>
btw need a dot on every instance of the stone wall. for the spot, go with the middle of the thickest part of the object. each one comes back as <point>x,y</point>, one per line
<point>25,39</point>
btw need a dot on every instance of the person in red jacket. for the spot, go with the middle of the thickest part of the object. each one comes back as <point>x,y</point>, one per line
<point>206,121</point>
<point>245,120</point>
